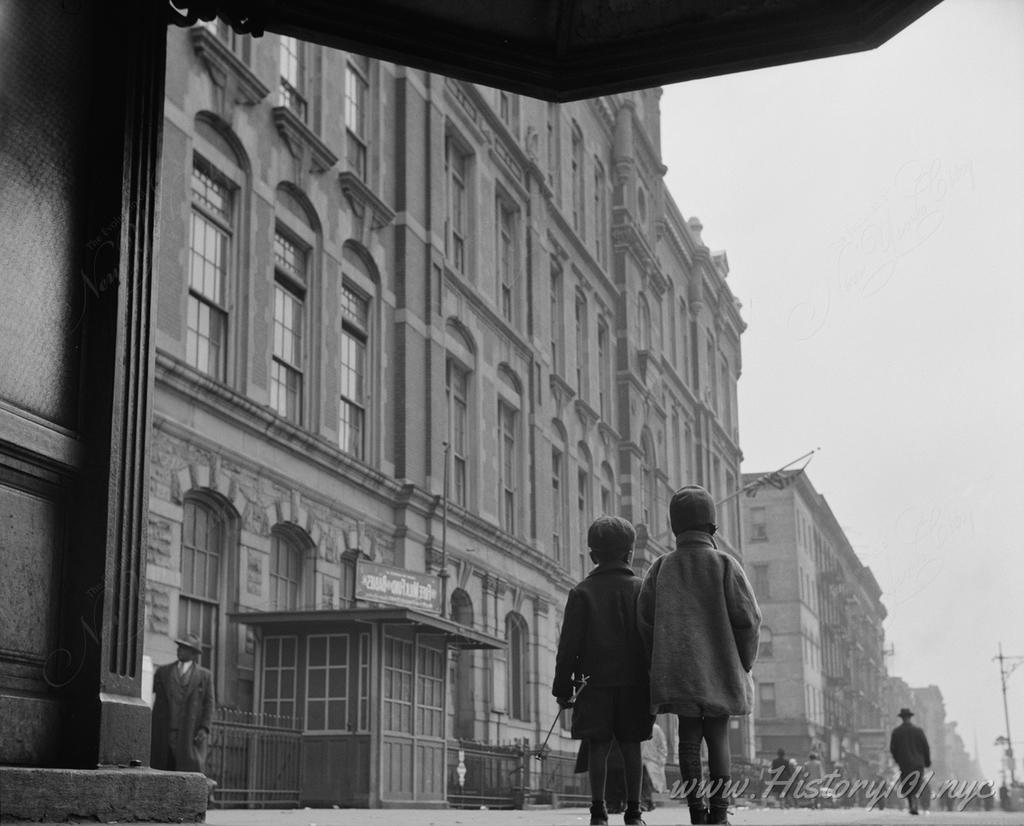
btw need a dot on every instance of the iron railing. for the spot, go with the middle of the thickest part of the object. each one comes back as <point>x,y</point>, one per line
<point>255,759</point>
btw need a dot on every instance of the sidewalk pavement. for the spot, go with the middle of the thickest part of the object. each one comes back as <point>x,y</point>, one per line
<point>672,815</point>
<point>662,816</point>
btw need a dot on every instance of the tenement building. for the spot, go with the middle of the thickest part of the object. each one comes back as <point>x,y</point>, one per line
<point>412,335</point>
<point>820,670</point>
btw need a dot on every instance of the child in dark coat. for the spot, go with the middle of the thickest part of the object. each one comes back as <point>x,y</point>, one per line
<point>599,641</point>
<point>700,624</point>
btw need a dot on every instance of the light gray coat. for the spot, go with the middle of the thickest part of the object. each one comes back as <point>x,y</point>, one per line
<point>700,624</point>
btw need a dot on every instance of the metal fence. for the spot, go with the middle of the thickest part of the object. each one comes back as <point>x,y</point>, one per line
<point>255,759</point>
<point>510,777</point>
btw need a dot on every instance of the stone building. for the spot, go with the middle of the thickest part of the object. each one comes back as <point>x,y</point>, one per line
<point>412,335</point>
<point>821,667</point>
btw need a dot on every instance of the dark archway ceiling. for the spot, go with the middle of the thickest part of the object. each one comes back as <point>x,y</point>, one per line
<point>569,49</point>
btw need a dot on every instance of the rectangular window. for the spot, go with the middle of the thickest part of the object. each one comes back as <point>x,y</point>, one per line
<point>761,583</point>
<point>758,526</point>
<point>581,347</point>
<point>604,366</point>
<point>600,213</point>
<point>508,483</point>
<point>209,253</point>
<point>357,92</point>
<point>285,574</point>
<point>455,237</point>
<point>557,511</point>
<point>398,695</point>
<point>430,692</point>
<point>766,698</point>
<point>289,293</point>
<point>553,167</point>
<point>506,260</point>
<point>279,676</point>
<point>327,676</point>
<point>354,336</point>
<point>576,164</point>
<point>293,77</point>
<point>363,723</point>
<point>458,417</point>
<point>556,320</point>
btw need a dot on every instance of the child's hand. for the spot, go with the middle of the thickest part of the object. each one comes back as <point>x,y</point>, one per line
<point>564,702</point>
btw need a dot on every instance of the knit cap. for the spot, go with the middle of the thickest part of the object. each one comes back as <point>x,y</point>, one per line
<point>691,507</point>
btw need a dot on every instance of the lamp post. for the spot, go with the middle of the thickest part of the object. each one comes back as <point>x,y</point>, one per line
<point>443,573</point>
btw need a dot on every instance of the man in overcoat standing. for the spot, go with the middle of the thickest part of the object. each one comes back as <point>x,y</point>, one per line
<point>182,711</point>
<point>909,748</point>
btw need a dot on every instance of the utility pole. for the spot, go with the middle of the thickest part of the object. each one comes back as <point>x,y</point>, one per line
<point>1006,668</point>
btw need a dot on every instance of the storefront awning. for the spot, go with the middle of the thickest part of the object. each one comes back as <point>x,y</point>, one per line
<point>456,635</point>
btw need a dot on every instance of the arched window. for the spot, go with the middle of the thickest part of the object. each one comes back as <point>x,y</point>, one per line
<point>463,702</point>
<point>295,258</point>
<point>217,182</point>
<point>584,502</point>
<point>607,489</point>
<point>286,566</point>
<point>644,321</point>
<point>516,634</point>
<point>357,293</point>
<point>202,568</point>
<point>460,431</point>
<point>509,449</point>
<point>559,534</point>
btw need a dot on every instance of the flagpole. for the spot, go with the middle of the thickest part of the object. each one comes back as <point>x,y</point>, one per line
<point>767,477</point>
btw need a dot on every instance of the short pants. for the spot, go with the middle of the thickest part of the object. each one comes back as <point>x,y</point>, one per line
<point>621,712</point>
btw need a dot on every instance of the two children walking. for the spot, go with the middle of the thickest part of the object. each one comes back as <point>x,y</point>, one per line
<point>681,641</point>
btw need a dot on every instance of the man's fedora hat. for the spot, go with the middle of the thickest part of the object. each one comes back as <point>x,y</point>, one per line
<point>191,641</point>
<point>905,713</point>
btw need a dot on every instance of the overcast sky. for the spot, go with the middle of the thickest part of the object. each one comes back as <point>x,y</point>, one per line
<point>872,210</point>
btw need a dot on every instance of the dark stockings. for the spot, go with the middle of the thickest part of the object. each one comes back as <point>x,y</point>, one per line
<point>715,732</point>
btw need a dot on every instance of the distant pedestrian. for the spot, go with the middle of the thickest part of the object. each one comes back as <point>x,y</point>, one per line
<point>700,624</point>
<point>599,640</point>
<point>779,776</point>
<point>182,711</point>
<point>909,748</point>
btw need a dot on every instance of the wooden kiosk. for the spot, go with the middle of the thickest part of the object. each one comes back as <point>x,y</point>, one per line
<point>369,687</point>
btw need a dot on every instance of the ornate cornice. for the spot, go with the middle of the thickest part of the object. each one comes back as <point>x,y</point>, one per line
<point>302,143</point>
<point>236,81</point>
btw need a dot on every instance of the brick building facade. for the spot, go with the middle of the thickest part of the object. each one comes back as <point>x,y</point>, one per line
<point>821,667</point>
<point>415,332</point>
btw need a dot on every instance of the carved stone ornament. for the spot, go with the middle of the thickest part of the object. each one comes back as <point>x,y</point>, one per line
<point>244,16</point>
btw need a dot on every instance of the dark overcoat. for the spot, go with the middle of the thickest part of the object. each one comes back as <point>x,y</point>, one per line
<point>181,707</point>
<point>909,748</point>
<point>599,635</point>
<point>700,624</point>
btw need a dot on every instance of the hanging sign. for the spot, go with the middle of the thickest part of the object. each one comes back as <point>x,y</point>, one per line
<point>395,586</point>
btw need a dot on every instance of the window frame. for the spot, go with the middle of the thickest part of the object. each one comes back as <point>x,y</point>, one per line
<point>357,114</point>
<point>356,328</point>
<point>293,76</point>
<point>292,286</point>
<point>196,295</point>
